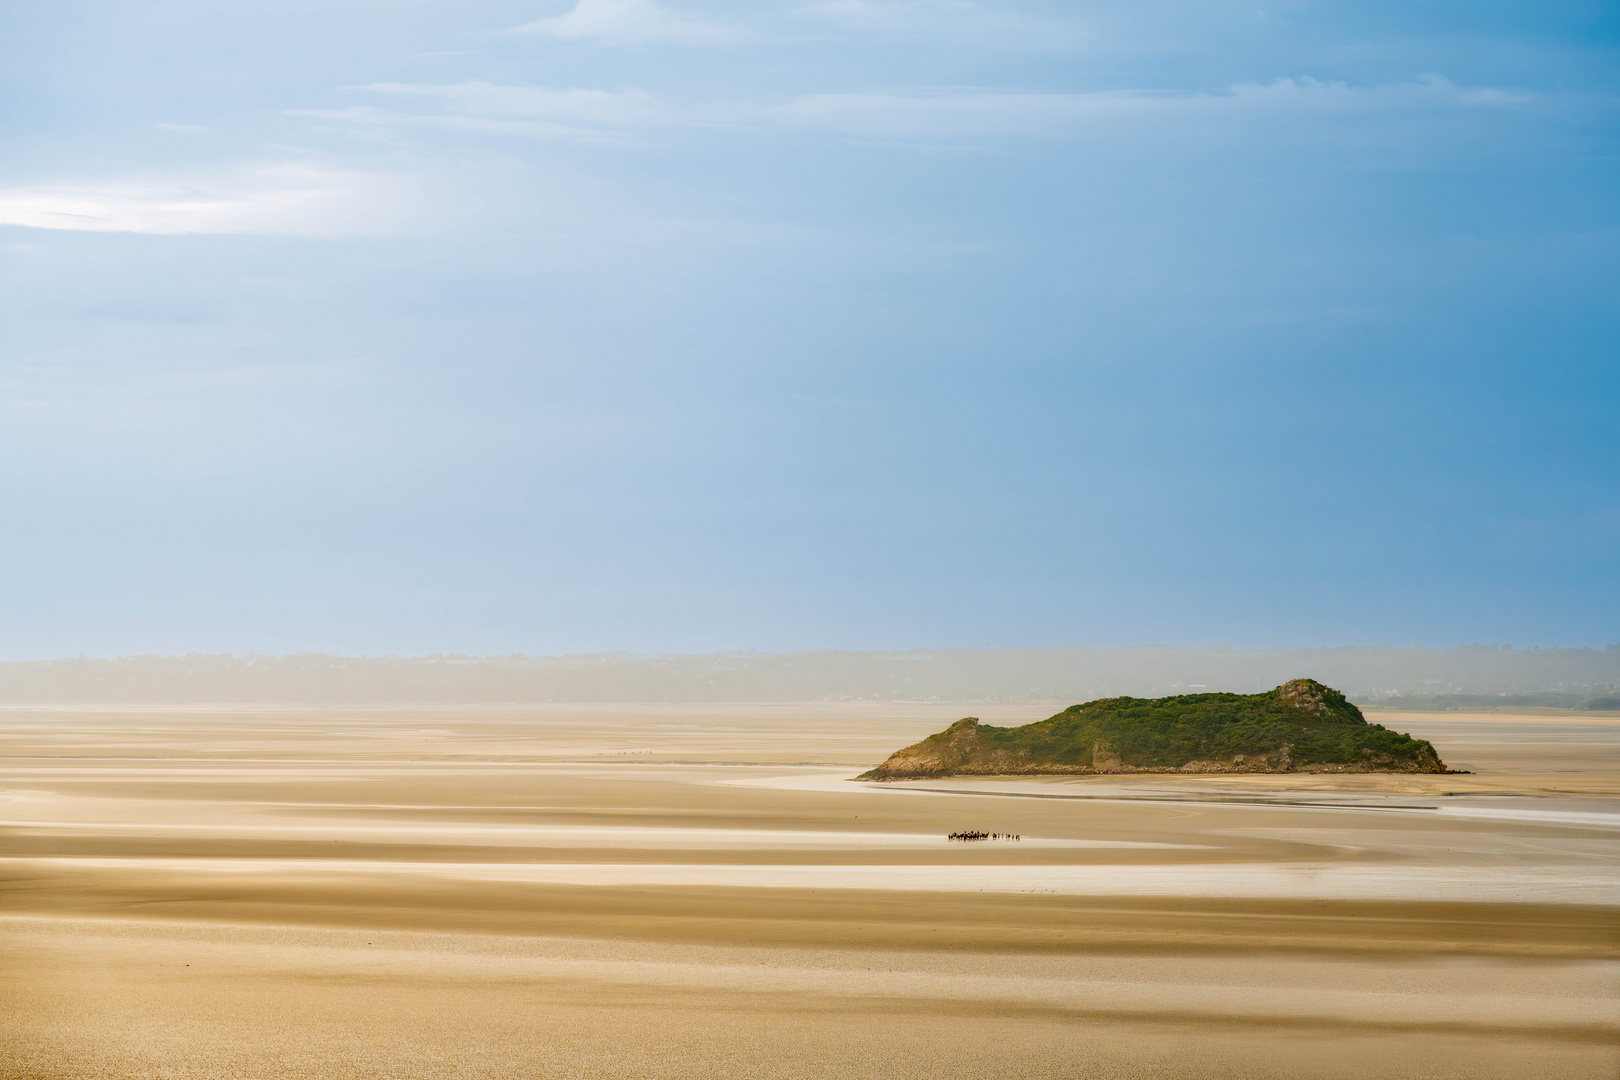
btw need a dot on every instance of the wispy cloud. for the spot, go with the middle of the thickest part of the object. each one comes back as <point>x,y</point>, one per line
<point>628,22</point>
<point>904,116</point>
<point>950,114</point>
<point>314,199</point>
<point>533,111</point>
<point>952,20</point>
<point>288,198</point>
<point>908,116</point>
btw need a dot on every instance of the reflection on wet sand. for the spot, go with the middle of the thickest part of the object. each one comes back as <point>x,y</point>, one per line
<point>697,891</point>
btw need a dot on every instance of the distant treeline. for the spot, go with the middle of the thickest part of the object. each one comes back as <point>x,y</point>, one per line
<point>1411,677</point>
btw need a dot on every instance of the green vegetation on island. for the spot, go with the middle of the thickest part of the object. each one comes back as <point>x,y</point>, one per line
<point>1301,726</point>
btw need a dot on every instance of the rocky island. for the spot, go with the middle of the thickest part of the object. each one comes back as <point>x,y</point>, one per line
<point>1301,726</point>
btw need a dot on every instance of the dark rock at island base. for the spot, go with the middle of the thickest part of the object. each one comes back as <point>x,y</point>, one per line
<point>1301,726</point>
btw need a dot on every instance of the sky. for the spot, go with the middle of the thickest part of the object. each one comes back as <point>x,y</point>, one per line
<point>403,326</point>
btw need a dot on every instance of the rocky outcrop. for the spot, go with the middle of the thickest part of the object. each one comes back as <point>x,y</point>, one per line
<point>1301,726</point>
<point>960,749</point>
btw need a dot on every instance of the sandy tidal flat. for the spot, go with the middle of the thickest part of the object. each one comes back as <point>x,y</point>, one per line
<point>693,891</point>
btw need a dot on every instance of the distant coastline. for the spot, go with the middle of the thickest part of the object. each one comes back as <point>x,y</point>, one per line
<point>1411,678</point>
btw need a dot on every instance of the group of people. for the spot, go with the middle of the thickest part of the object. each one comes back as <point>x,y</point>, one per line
<point>973,835</point>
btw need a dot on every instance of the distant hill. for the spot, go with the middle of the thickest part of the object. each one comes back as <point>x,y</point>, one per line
<point>1301,726</point>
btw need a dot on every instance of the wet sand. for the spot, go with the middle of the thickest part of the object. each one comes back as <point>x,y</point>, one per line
<point>611,891</point>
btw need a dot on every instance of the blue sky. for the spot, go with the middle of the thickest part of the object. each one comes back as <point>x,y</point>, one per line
<point>403,326</point>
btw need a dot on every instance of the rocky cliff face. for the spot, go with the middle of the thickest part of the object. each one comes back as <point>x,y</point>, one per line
<point>960,749</point>
<point>1301,726</point>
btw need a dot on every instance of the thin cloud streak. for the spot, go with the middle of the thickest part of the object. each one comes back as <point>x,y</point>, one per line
<point>321,200</point>
<point>947,20</point>
<point>628,22</point>
<point>999,114</point>
<point>524,111</point>
<point>288,198</point>
<point>902,116</point>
